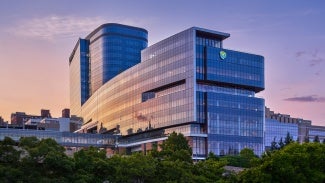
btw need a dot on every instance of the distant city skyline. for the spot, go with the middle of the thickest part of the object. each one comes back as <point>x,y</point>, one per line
<point>37,38</point>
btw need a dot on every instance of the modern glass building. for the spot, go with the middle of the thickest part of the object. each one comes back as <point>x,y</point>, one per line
<point>186,83</point>
<point>275,130</point>
<point>318,131</point>
<point>277,126</point>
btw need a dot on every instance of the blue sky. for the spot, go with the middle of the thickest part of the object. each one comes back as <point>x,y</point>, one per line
<point>37,37</point>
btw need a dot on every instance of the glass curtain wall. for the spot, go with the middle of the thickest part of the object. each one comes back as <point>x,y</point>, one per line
<point>225,97</point>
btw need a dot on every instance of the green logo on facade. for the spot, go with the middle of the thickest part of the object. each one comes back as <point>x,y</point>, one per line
<point>223,55</point>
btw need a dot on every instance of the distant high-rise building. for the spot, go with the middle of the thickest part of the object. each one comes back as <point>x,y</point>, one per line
<point>19,118</point>
<point>66,113</point>
<point>2,122</point>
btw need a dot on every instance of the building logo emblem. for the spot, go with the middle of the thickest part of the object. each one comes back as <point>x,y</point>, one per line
<point>223,55</point>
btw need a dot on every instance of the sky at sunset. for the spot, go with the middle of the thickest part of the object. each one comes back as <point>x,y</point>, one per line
<point>37,38</point>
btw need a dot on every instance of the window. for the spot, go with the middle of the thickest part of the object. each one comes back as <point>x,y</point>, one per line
<point>148,95</point>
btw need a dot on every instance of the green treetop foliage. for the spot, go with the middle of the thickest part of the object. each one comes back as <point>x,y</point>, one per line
<point>134,168</point>
<point>9,161</point>
<point>45,161</point>
<point>212,156</point>
<point>247,153</point>
<point>274,145</point>
<point>288,139</point>
<point>8,153</point>
<point>294,163</point>
<point>316,139</point>
<point>210,170</point>
<point>33,160</point>
<point>281,143</point>
<point>91,165</point>
<point>8,141</point>
<point>174,171</point>
<point>176,148</point>
<point>28,142</point>
<point>246,158</point>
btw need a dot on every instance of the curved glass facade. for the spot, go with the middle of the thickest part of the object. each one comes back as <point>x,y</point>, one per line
<point>103,54</point>
<point>167,77</point>
<point>113,49</point>
<point>183,85</point>
<point>79,76</point>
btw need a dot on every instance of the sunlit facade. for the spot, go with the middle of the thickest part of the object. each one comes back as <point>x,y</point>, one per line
<point>186,83</point>
<point>104,53</point>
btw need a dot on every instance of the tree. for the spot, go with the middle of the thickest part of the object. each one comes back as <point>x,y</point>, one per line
<point>9,161</point>
<point>176,148</point>
<point>134,168</point>
<point>288,139</point>
<point>281,144</point>
<point>316,139</point>
<point>9,154</point>
<point>174,171</point>
<point>306,140</point>
<point>10,174</point>
<point>212,156</point>
<point>8,141</point>
<point>246,158</point>
<point>91,165</point>
<point>210,170</point>
<point>28,142</point>
<point>294,163</point>
<point>274,145</point>
<point>154,152</point>
<point>45,161</point>
<point>324,141</point>
<point>233,160</point>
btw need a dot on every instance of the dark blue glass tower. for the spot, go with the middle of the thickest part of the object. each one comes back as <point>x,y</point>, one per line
<point>104,53</point>
<point>114,48</point>
<point>226,85</point>
<point>84,69</point>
